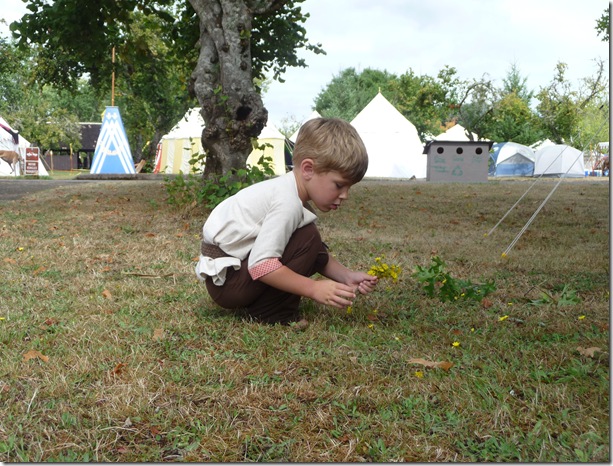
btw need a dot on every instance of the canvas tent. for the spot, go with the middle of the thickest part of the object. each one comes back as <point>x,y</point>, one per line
<point>112,154</point>
<point>393,145</point>
<point>184,141</point>
<point>180,144</point>
<point>512,159</point>
<point>541,144</point>
<point>456,133</point>
<point>559,160</point>
<point>273,142</point>
<point>7,142</point>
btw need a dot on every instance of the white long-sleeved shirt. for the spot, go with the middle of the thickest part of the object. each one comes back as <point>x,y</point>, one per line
<point>258,222</point>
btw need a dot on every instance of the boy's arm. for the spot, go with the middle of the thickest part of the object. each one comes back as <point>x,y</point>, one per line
<point>327,292</point>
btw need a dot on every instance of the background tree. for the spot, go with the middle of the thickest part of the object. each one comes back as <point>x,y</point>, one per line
<point>349,92</point>
<point>77,38</point>
<point>602,25</point>
<point>512,117</point>
<point>49,116</point>
<point>429,103</point>
<point>561,106</point>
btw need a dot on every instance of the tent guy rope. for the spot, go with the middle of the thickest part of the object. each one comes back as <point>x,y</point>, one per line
<point>540,207</point>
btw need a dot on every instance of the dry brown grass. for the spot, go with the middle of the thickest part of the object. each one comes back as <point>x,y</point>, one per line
<point>143,367</point>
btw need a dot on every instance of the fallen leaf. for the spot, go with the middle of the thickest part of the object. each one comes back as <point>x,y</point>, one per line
<point>589,352</point>
<point>149,235</point>
<point>445,365</point>
<point>33,354</point>
<point>158,334</point>
<point>119,368</point>
<point>39,270</point>
<point>107,294</point>
<point>486,303</point>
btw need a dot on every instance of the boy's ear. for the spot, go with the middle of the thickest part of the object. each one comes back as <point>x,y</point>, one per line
<point>308,168</point>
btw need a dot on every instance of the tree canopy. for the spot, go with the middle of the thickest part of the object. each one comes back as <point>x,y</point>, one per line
<point>213,48</point>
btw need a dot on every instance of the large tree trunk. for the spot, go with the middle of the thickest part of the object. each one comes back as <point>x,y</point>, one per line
<point>232,109</point>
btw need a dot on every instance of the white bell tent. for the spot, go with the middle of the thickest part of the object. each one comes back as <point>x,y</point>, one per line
<point>393,144</point>
<point>456,133</point>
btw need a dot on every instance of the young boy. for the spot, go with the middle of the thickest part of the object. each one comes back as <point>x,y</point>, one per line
<point>261,245</point>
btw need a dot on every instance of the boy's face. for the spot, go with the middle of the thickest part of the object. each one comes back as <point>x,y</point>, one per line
<point>328,190</point>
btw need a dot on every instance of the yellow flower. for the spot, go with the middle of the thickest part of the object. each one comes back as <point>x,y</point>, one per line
<point>20,249</point>
<point>374,311</point>
<point>397,338</point>
<point>371,326</point>
<point>500,319</point>
<point>2,318</point>
<point>581,317</point>
<point>455,344</point>
<point>419,374</point>
<point>349,309</point>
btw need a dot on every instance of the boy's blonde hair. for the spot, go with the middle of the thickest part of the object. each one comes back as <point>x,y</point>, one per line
<point>333,145</point>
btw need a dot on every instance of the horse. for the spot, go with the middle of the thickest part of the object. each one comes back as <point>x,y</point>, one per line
<point>11,157</point>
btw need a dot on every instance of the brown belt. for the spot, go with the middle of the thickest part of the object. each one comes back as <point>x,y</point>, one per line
<point>214,252</point>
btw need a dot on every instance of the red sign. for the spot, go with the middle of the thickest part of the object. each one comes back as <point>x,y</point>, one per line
<point>32,161</point>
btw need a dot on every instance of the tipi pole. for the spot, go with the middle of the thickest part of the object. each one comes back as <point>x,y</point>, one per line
<point>113,79</point>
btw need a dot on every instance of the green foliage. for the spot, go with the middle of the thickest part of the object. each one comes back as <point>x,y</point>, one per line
<point>349,92</point>
<point>438,283</point>
<point>567,297</point>
<point>47,115</point>
<point>564,109</point>
<point>428,102</point>
<point>602,25</point>
<point>184,191</point>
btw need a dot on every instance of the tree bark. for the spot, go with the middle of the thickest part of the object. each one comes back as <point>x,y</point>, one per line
<point>232,109</point>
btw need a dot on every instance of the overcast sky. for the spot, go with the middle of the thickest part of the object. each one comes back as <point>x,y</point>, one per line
<point>477,37</point>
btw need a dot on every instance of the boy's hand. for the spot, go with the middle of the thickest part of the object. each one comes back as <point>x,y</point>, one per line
<point>368,285</point>
<point>362,282</point>
<point>334,294</point>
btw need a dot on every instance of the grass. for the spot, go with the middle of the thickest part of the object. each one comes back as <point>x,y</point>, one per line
<point>112,351</point>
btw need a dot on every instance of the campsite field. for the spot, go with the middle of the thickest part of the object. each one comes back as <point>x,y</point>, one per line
<point>112,351</point>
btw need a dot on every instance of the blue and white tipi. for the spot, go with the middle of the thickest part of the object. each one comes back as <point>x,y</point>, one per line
<point>112,154</point>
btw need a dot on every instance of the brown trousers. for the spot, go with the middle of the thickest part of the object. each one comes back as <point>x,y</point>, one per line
<point>305,254</point>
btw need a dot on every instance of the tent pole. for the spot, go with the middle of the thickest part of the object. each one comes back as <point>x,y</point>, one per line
<point>113,78</point>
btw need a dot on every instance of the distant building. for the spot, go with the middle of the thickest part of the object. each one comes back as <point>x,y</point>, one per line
<point>58,158</point>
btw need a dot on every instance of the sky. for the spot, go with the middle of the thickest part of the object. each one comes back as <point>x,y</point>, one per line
<point>479,38</point>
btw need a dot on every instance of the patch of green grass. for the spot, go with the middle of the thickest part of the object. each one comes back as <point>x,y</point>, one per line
<point>143,367</point>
